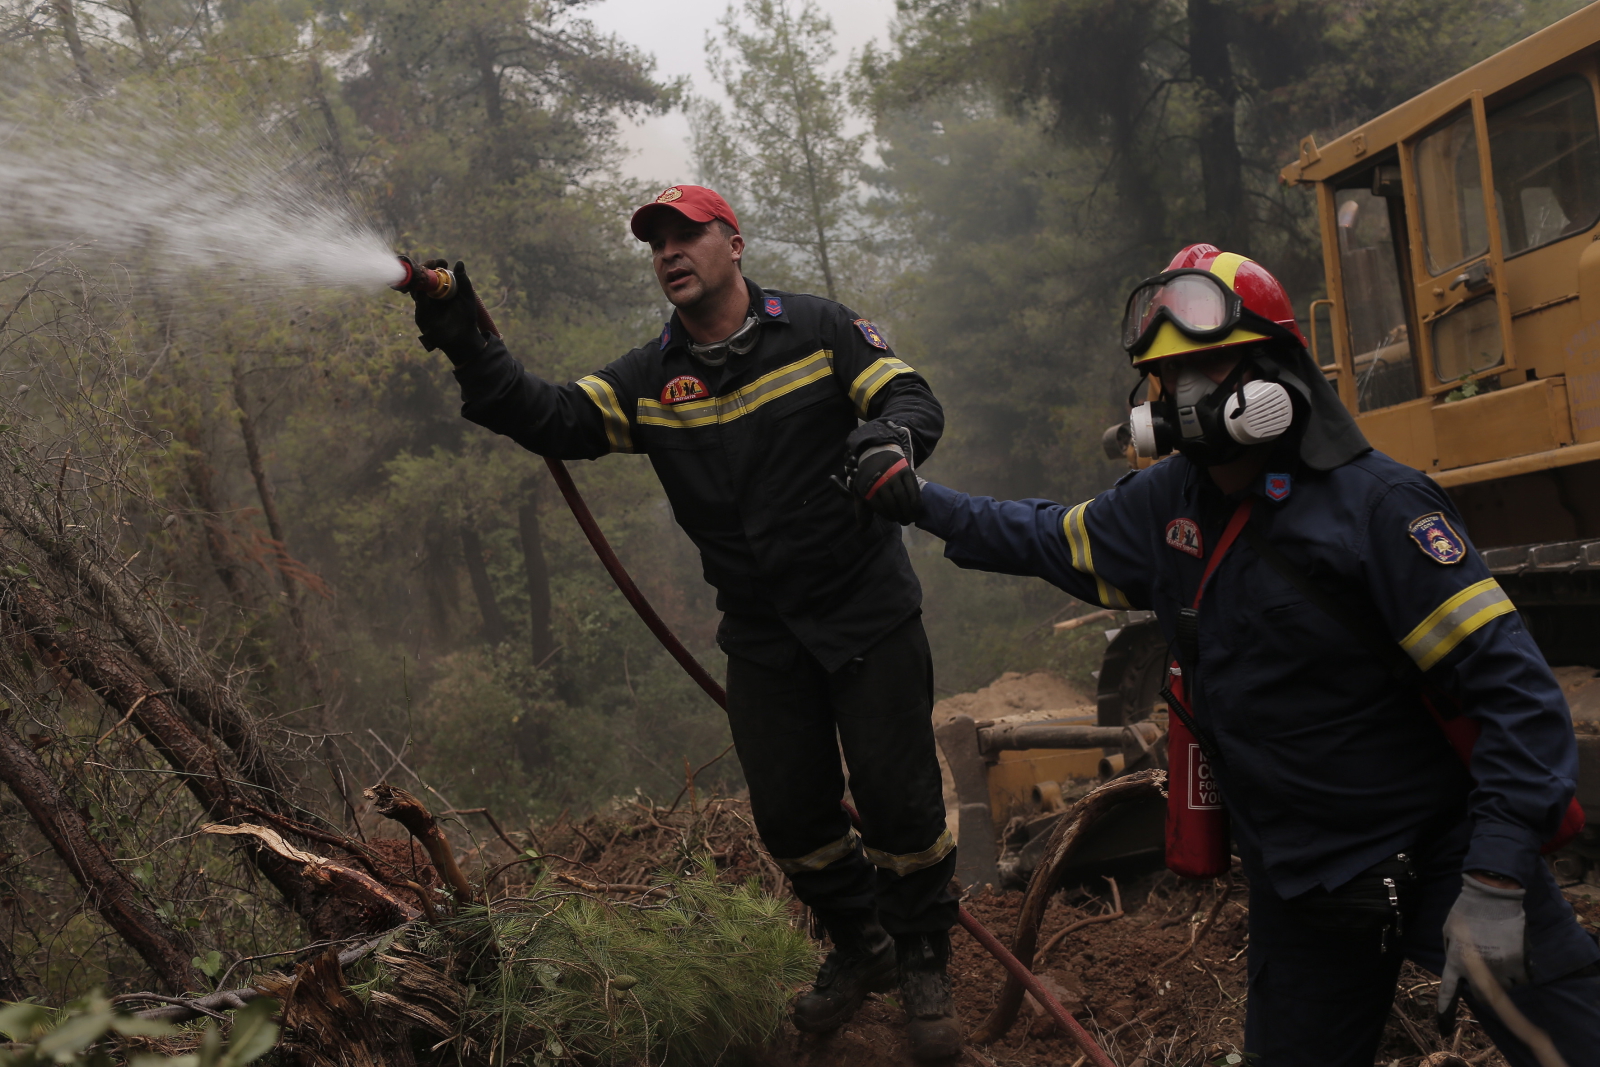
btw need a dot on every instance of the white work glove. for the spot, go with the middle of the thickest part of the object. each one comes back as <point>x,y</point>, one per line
<point>1491,922</point>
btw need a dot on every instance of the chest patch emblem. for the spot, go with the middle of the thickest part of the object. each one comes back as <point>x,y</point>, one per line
<point>773,307</point>
<point>1278,486</point>
<point>1437,539</point>
<point>1184,535</point>
<point>666,335</point>
<point>870,332</point>
<point>683,387</point>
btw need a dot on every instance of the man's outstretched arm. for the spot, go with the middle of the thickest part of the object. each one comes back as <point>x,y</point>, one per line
<point>580,420</point>
<point>1079,549</point>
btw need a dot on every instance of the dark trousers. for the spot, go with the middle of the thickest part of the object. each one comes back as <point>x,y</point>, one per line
<point>1319,999</point>
<point>789,725</point>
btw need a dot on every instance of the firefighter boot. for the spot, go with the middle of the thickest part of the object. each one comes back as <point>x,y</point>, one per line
<point>925,991</point>
<point>862,962</point>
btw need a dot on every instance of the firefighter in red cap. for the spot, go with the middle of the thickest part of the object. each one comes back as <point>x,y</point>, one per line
<point>745,404</point>
<point>1385,740</point>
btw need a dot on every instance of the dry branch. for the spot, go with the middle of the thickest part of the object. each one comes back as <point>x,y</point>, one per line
<point>1063,842</point>
<point>331,909</point>
<point>359,900</point>
<point>211,705</point>
<point>230,999</point>
<point>111,892</point>
<point>408,811</point>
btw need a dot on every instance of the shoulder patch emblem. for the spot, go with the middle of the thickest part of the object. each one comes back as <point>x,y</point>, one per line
<point>1278,486</point>
<point>1184,535</point>
<point>774,306</point>
<point>666,335</point>
<point>683,387</point>
<point>1437,539</point>
<point>870,332</point>
<point>669,195</point>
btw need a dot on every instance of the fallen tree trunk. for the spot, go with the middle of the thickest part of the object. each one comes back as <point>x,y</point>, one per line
<point>331,908</point>
<point>112,893</point>
<point>1063,842</point>
<point>213,707</point>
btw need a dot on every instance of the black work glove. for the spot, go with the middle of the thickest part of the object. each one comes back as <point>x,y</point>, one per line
<point>451,324</point>
<point>883,476</point>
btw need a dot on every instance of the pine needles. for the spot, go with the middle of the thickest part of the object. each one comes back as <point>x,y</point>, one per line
<point>565,977</point>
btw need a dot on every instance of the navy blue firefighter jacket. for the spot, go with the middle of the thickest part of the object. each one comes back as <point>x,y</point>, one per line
<point>1329,765</point>
<point>744,452</point>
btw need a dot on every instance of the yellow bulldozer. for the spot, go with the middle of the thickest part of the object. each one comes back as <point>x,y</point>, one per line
<point>1461,242</point>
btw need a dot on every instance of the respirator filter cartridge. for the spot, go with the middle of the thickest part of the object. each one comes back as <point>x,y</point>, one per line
<point>1142,425</point>
<point>1266,415</point>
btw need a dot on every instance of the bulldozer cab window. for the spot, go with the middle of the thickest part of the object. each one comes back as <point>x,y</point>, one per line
<point>1450,194</point>
<point>1374,306</point>
<point>1546,153</point>
<point>1468,340</point>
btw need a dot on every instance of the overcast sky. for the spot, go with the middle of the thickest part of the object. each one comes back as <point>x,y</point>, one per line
<point>674,31</point>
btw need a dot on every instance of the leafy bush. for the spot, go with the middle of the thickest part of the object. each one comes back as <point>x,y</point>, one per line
<point>78,1034</point>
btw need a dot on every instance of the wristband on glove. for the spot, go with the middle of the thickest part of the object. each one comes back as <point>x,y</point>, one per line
<point>893,469</point>
<point>883,478</point>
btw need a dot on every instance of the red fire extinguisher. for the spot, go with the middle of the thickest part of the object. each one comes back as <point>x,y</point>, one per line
<point>1197,823</point>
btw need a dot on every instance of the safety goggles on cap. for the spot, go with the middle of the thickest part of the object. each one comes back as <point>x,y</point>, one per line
<point>1196,301</point>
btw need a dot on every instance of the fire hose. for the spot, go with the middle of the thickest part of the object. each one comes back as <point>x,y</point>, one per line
<point>440,284</point>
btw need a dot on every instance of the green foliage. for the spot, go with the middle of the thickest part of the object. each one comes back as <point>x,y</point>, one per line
<point>781,154</point>
<point>571,979</point>
<point>84,1033</point>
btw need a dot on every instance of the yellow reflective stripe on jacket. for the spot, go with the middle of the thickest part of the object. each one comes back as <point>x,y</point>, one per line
<point>913,861</point>
<point>816,860</point>
<point>617,432</point>
<point>1455,620</point>
<point>713,410</point>
<point>875,377</point>
<point>1077,534</point>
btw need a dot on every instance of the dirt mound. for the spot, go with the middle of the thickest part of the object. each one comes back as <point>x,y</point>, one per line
<point>1018,697</point>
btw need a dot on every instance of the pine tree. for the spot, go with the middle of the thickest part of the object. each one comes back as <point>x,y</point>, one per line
<point>781,152</point>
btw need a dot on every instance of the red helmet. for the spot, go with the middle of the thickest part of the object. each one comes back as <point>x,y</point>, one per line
<point>1257,290</point>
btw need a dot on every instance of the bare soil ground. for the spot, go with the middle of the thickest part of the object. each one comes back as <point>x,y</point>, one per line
<point>1134,981</point>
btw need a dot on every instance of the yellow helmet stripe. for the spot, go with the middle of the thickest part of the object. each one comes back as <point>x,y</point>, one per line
<point>1226,267</point>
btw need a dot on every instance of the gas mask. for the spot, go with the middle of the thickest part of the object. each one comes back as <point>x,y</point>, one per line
<point>740,342</point>
<point>1213,422</point>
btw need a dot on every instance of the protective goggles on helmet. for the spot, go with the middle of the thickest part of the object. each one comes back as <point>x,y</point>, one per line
<point>1196,301</point>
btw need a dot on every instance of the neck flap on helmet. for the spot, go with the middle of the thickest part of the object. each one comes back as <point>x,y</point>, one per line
<point>1330,437</point>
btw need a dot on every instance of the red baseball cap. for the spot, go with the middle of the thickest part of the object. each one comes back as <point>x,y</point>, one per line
<point>694,202</point>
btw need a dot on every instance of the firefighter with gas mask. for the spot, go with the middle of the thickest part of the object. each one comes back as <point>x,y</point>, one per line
<point>1350,689</point>
<point>745,404</point>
